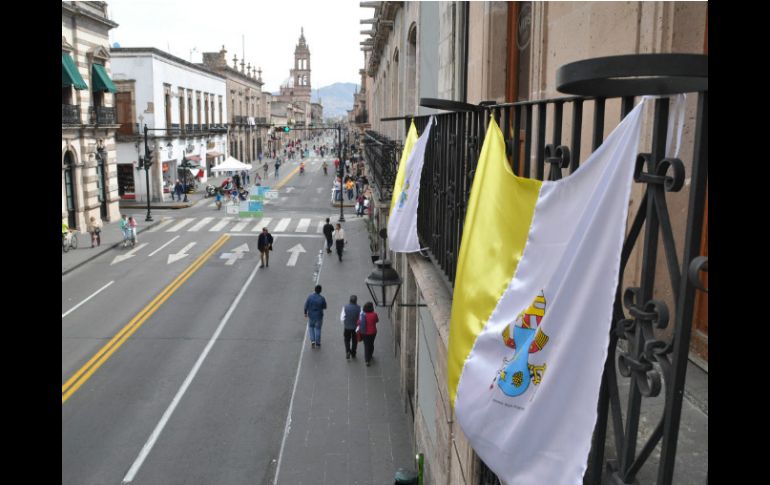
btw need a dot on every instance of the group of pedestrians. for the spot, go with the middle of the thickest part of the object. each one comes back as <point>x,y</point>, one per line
<point>359,324</point>
<point>334,237</point>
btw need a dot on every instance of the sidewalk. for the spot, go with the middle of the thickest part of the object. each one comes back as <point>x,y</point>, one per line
<point>348,424</point>
<point>112,237</point>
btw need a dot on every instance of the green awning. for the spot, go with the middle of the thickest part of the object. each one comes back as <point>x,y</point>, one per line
<point>69,73</point>
<point>101,80</point>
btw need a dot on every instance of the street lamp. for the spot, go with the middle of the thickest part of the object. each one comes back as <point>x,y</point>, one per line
<point>342,170</point>
<point>384,278</point>
<point>146,163</point>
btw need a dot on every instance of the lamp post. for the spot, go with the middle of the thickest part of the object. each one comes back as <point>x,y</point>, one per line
<point>384,277</point>
<point>147,163</point>
<point>341,171</point>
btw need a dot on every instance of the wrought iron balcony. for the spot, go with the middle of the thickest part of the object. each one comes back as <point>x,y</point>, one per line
<point>70,114</point>
<point>362,118</point>
<point>382,154</point>
<point>102,115</point>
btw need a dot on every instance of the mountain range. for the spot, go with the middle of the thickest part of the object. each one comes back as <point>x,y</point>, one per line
<point>336,98</point>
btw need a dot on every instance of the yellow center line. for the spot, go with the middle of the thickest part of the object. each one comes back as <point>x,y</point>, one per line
<point>286,179</point>
<point>85,372</point>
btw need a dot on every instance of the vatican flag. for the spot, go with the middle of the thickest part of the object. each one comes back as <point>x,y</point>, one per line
<point>537,274</point>
<point>411,139</point>
<point>402,224</point>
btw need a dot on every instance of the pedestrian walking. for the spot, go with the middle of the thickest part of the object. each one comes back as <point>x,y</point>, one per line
<point>367,208</point>
<point>367,326</point>
<point>360,205</point>
<point>179,189</point>
<point>265,245</point>
<point>237,180</point>
<point>337,190</point>
<point>350,315</point>
<point>132,228</point>
<point>277,166</point>
<point>328,231</point>
<point>314,312</point>
<point>339,240</point>
<point>349,186</point>
<point>95,229</point>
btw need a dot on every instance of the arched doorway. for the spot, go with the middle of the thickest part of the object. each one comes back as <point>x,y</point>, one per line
<point>69,189</point>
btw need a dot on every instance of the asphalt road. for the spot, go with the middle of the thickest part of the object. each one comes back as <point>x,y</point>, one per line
<point>181,370</point>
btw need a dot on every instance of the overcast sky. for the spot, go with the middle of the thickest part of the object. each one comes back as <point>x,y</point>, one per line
<point>271,29</point>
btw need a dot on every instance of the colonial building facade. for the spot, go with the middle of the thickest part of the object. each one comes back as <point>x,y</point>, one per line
<point>88,153</point>
<point>249,116</point>
<point>506,52</point>
<point>183,106</point>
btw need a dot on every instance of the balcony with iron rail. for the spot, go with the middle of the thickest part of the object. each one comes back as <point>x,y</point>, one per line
<point>638,357</point>
<point>70,114</point>
<point>382,156</point>
<point>102,115</point>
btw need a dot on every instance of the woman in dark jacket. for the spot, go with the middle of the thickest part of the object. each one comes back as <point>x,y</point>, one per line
<point>368,328</point>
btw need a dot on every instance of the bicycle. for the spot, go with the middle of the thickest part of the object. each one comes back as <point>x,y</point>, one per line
<point>69,241</point>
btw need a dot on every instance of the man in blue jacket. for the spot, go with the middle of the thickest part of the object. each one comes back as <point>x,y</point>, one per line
<point>314,312</point>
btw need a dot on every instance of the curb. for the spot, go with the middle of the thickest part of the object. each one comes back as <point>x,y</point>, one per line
<point>107,248</point>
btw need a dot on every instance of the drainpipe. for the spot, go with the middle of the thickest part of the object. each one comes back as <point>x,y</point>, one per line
<point>466,15</point>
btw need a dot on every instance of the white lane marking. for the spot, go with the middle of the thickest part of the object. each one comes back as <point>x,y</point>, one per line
<point>128,255</point>
<point>287,428</point>
<point>153,253</point>
<point>161,225</point>
<point>182,390</point>
<point>181,224</point>
<point>295,254</point>
<point>281,227</point>
<point>263,223</point>
<point>220,224</point>
<point>235,255</point>
<point>92,295</point>
<point>240,226</point>
<point>303,225</point>
<point>181,254</point>
<point>320,226</point>
<point>199,226</point>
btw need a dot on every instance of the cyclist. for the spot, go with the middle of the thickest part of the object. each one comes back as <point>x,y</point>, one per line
<point>219,199</point>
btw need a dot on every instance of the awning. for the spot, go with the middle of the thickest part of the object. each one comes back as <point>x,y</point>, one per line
<point>195,158</point>
<point>212,155</point>
<point>70,76</point>
<point>101,80</point>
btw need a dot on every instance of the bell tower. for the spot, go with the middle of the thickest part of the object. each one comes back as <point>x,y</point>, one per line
<point>301,71</point>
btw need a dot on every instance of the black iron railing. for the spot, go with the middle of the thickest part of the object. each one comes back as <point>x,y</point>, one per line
<point>643,352</point>
<point>382,155</point>
<point>70,114</point>
<point>362,118</point>
<point>102,115</point>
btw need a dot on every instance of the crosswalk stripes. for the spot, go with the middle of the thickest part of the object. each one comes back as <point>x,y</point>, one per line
<point>183,223</point>
<point>281,227</point>
<point>161,225</point>
<point>263,223</point>
<point>203,222</point>
<point>236,224</point>
<point>303,225</point>
<point>239,226</point>
<point>221,224</point>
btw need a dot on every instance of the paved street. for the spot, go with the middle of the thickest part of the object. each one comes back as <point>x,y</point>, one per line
<point>181,358</point>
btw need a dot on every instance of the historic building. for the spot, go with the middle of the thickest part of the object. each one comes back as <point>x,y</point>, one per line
<point>293,102</point>
<point>474,53</point>
<point>183,106</point>
<point>88,154</point>
<point>249,110</point>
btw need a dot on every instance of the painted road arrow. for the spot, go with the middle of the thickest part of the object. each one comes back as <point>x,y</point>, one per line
<point>181,254</point>
<point>235,255</point>
<point>128,255</point>
<point>294,254</point>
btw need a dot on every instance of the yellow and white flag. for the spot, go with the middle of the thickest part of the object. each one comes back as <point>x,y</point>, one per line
<point>532,306</point>
<point>411,139</point>
<point>402,223</point>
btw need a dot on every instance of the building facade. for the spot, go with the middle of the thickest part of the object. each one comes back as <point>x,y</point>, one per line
<point>504,52</point>
<point>182,105</point>
<point>89,176</point>
<point>246,103</point>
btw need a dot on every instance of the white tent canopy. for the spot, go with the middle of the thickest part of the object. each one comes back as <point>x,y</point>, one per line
<point>231,165</point>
